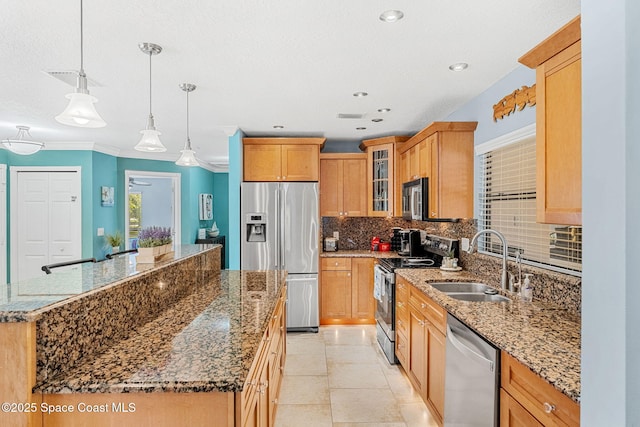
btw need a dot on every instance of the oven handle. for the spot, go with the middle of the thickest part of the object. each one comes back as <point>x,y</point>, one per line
<point>387,275</point>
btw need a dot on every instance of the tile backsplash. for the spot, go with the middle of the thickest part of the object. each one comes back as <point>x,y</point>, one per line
<point>356,233</point>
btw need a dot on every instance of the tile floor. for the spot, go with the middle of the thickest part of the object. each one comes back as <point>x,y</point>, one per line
<point>340,378</point>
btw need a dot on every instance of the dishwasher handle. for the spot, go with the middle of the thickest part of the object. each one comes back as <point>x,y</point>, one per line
<point>451,336</point>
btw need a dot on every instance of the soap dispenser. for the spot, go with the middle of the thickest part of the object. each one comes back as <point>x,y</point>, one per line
<point>527,289</point>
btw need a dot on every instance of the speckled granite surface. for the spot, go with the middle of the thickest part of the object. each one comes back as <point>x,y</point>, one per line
<point>206,342</point>
<point>542,336</point>
<point>358,254</point>
<point>28,300</point>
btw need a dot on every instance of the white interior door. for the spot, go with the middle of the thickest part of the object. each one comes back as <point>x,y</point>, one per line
<point>3,224</point>
<point>46,219</point>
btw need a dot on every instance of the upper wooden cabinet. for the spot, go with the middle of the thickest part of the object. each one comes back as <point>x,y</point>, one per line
<point>281,159</point>
<point>382,175</point>
<point>557,61</point>
<point>442,152</point>
<point>343,184</point>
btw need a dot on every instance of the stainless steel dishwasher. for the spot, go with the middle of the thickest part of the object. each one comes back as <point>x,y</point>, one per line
<point>472,375</point>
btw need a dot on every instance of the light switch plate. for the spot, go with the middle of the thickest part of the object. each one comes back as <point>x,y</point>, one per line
<point>100,231</point>
<point>336,235</point>
<point>465,244</point>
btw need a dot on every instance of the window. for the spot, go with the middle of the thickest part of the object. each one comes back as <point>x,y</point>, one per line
<point>508,205</point>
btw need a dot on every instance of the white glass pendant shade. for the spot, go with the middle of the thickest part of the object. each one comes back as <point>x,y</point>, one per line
<point>22,144</point>
<point>150,142</point>
<point>187,158</point>
<point>81,112</point>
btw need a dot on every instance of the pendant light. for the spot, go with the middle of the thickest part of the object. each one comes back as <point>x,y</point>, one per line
<point>188,157</point>
<point>150,142</point>
<point>22,144</point>
<point>81,112</point>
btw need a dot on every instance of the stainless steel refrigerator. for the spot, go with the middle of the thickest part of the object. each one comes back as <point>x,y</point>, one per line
<point>279,229</point>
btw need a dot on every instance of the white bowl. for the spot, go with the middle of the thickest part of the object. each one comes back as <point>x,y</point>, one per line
<point>213,233</point>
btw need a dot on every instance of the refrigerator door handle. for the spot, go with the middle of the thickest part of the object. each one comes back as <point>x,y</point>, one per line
<point>283,235</point>
<point>278,225</point>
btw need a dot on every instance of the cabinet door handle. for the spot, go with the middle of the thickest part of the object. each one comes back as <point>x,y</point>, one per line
<point>549,408</point>
<point>423,305</point>
<point>284,177</point>
<point>421,323</point>
<point>348,274</point>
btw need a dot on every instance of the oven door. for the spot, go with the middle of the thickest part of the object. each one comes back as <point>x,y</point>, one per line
<point>384,290</point>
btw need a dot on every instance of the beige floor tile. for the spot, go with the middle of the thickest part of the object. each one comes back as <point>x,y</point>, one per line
<point>296,345</point>
<point>364,406</point>
<point>348,336</point>
<point>303,415</point>
<point>403,390</point>
<point>305,364</point>
<point>356,375</point>
<point>369,425</point>
<point>351,354</point>
<point>305,390</point>
<point>417,415</point>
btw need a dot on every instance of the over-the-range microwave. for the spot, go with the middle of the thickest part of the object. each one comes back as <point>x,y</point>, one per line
<point>415,199</point>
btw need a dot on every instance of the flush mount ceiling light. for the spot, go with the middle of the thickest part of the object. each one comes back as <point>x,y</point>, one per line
<point>391,16</point>
<point>150,141</point>
<point>80,111</point>
<point>360,94</point>
<point>384,110</point>
<point>188,157</point>
<point>460,66</point>
<point>22,143</point>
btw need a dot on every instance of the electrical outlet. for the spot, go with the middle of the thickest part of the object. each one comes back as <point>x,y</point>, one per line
<point>100,231</point>
<point>336,235</point>
<point>465,244</point>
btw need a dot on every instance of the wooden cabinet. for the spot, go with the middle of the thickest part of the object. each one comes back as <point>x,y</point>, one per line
<point>382,176</point>
<point>557,61</point>
<point>526,399</point>
<point>281,159</point>
<point>420,343</point>
<point>343,184</point>
<point>443,152</point>
<point>259,399</point>
<point>346,291</point>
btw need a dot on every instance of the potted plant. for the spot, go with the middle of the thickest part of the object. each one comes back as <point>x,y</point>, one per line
<point>154,240</point>
<point>114,240</point>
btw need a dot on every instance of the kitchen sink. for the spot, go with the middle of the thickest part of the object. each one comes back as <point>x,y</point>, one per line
<point>478,297</point>
<point>467,287</point>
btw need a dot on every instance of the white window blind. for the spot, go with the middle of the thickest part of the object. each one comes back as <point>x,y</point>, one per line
<point>508,205</point>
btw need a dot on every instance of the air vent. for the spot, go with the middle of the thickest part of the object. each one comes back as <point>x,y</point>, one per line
<point>70,77</point>
<point>351,116</point>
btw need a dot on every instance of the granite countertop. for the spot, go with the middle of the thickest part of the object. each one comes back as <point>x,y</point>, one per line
<point>206,342</point>
<point>359,254</point>
<point>25,301</point>
<point>543,337</point>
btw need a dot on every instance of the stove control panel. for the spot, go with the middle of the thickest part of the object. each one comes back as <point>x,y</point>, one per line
<point>441,245</point>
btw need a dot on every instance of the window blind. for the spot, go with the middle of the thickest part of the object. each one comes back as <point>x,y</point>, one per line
<point>508,204</point>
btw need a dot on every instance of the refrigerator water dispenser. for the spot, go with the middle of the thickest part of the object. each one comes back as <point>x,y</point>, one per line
<point>256,227</point>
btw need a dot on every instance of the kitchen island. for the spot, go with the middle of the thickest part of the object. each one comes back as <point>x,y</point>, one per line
<point>176,344</point>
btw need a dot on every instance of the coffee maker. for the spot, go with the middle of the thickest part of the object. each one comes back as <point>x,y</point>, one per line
<point>411,243</point>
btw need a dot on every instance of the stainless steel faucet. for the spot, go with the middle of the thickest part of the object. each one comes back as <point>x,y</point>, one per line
<point>504,277</point>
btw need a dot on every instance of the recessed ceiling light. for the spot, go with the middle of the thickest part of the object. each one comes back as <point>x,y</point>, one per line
<point>460,66</point>
<point>361,128</point>
<point>360,94</point>
<point>391,16</point>
<point>384,110</point>
<point>376,120</point>
<point>278,127</point>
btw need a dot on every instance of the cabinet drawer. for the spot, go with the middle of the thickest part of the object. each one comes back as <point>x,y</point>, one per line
<point>402,320</point>
<point>402,290</point>
<point>537,396</point>
<point>335,263</point>
<point>402,348</point>
<point>428,308</point>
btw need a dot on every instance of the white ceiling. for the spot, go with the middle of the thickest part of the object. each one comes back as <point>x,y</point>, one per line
<point>257,64</point>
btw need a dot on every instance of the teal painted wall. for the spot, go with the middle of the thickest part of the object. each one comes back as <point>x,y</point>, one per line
<point>221,206</point>
<point>103,167</point>
<point>235,178</point>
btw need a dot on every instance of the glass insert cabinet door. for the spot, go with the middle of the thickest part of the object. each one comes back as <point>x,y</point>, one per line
<point>381,175</point>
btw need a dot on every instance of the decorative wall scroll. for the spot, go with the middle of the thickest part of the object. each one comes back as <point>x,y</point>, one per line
<point>520,98</point>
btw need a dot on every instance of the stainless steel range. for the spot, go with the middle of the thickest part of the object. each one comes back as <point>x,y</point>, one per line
<point>384,289</point>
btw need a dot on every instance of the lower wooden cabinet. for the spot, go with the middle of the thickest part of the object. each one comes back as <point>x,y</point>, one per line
<point>346,291</point>
<point>421,351</point>
<point>538,402</point>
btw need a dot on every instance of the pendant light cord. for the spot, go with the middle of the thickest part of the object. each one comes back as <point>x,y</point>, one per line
<point>150,55</point>
<point>81,41</point>
<point>188,139</point>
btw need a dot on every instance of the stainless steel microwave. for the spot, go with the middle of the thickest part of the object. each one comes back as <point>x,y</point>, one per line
<point>415,199</point>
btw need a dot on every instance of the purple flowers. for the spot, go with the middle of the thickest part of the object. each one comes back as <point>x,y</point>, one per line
<point>150,237</point>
